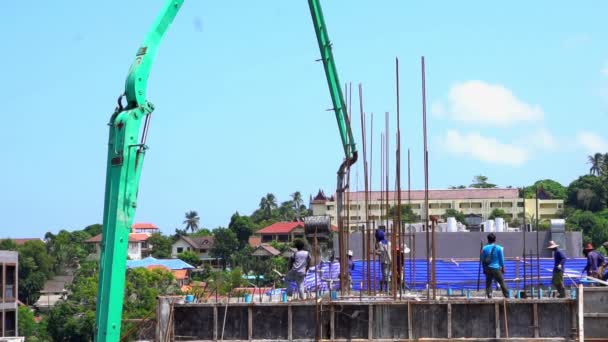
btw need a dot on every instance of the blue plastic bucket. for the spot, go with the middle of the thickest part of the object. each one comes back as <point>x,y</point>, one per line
<point>247,298</point>
<point>189,298</point>
<point>284,297</point>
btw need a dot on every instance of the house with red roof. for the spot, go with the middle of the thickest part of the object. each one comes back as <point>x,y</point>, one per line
<point>283,232</point>
<point>138,241</point>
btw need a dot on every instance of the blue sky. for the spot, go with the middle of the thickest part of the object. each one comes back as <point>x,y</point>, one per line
<point>241,103</point>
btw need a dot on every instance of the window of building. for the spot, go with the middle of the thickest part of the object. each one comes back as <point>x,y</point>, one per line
<point>354,207</point>
<point>548,205</point>
<point>10,320</point>
<point>494,204</point>
<point>266,238</point>
<point>476,205</point>
<point>560,205</point>
<point>374,217</point>
<point>416,206</point>
<point>446,206</point>
<point>330,207</point>
<point>355,218</point>
<point>283,238</point>
<point>520,204</point>
<point>464,205</point>
<point>507,204</point>
<point>180,250</point>
<point>373,206</point>
<point>10,293</point>
<point>434,205</point>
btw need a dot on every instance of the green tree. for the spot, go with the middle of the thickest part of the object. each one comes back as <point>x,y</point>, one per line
<point>296,199</point>
<point>500,213</point>
<point>161,245</point>
<point>552,188</point>
<point>587,193</point>
<point>268,203</point>
<point>225,244</point>
<point>202,232</point>
<point>93,229</point>
<point>190,257</point>
<point>453,187</point>
<point>459,215</point>
<point>35,267</point>
<point>407,213</point>
<point>192,220</point>
<point>597,162</point>
<point>242,227</point>
<point>594,227</point>
<point>7,245</point>
<point>26,322</point>
<point>480,181</point>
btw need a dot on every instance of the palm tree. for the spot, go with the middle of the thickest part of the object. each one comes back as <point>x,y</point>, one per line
<point>296,198</point>
<point>192,220</point>
<point>597,161</point>
<point>267,204</point>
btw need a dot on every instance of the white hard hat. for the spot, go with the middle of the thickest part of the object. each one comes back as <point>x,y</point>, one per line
<point>349,253</point>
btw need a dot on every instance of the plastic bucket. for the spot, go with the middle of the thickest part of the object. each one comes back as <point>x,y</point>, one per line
<point>247,298</point>
<point>189,298</point>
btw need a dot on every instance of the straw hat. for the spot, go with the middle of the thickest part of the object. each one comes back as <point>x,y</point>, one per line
<point>552,245</point>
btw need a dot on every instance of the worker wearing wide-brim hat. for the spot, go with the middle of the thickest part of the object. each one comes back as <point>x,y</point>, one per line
<point>594,261</point>
<point>559,258</point>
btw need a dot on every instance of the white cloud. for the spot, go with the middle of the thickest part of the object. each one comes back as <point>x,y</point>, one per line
<point>489,104</point>
<point>485,149</point>
<point>592,142</point>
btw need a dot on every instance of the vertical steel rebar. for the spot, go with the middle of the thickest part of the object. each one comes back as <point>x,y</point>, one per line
<point>524,230</point>
<point>426,179</point>
<point>537,242</point>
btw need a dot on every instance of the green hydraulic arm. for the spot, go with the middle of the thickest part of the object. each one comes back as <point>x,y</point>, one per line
<point>125,158</point>
<point>346,133</point>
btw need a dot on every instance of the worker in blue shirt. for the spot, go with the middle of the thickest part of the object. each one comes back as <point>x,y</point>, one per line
<point>493,261</point>
<point>558,269</point>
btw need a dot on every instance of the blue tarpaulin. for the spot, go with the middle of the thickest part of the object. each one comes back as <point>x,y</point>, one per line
<point>454,274</point>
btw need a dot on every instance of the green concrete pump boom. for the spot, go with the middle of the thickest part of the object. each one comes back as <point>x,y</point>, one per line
<point>126,153</point>
<point>346,133</point>
<point>125,158</point>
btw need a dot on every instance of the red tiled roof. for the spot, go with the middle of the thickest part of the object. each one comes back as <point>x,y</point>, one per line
<point>143,226</point>
<point>133,237</point>
<point>447,194</point>
<point>280,228</point>
<point>255,241</point>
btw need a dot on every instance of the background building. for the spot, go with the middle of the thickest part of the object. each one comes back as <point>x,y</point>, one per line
<point>475,201</point>
<point>8,293</point>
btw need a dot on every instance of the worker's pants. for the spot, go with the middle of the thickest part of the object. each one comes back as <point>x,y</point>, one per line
<point>298,278</point>
<point>558,283</point>
<point>495,274</point>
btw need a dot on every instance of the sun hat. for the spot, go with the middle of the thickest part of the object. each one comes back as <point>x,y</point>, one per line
<point>552,245</point>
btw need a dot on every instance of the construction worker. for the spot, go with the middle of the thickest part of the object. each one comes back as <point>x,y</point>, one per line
<point>493,261</point>
<point>351,268</point>
<point>559,258</point>
<point>594,261</point>
<point>384,256</point>
<point>299,263</point>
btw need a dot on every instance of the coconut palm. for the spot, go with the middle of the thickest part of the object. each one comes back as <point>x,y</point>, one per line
<point>296,198</point>
<point>192,220</point>
<point>597,161</point>
<point>267,204</point>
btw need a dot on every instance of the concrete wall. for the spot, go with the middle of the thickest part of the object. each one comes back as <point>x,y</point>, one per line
<point>466,244</point>
<point>545,319</point>
<point>595,307</point>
